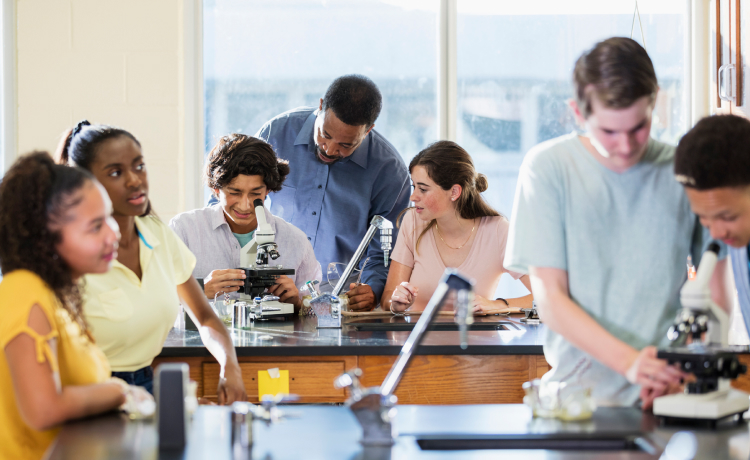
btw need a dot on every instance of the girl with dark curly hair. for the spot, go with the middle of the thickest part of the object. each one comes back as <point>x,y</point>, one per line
<point>132,308</point>
<point>241,169</point>
<point>55,227</point>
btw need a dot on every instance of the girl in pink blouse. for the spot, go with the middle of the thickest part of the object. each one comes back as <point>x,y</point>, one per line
<point>450,225</point>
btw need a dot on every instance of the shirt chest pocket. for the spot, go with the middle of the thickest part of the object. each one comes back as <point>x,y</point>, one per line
<point>112,305</point>
<point>282,203</point>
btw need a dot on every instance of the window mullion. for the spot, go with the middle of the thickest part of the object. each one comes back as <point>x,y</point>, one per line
<point>9,107</point>
<point>447,69</point>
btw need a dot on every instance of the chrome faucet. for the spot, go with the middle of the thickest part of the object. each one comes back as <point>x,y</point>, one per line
<point>375,407</point>
<point>326,306</point>
<point>386,229</point>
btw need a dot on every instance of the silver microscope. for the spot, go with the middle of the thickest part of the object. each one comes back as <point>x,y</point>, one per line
<point>710,398</point>
<point>259,275</point>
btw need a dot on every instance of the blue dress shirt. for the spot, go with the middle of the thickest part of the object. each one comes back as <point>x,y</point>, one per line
<point>333,204</point>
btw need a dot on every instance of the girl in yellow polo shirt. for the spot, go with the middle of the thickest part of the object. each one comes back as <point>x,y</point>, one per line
<point>132,307</point>
<point>54,228</point>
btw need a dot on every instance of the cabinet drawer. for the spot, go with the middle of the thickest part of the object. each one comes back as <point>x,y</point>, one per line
<point>311,381</point>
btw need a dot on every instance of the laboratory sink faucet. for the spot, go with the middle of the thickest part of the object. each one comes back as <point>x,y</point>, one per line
<point>386,229</point>
<point>375,407</point>
<point>326,306</point>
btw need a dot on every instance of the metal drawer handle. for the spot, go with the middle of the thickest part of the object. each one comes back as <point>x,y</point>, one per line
<point>722,93</point>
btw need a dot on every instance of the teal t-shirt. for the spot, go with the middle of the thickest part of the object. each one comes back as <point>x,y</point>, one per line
<point>622,238</point>
<point>244,238</point>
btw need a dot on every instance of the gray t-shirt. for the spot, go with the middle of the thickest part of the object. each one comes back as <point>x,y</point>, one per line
<point>623,238</point>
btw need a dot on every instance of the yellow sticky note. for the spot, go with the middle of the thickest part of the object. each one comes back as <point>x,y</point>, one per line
<point>267,385</point>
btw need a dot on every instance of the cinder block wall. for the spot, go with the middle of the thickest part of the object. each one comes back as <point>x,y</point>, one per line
<point>117,62</point>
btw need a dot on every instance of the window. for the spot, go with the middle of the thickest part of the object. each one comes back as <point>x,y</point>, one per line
<point>263,58</point>
<point>513,68</point>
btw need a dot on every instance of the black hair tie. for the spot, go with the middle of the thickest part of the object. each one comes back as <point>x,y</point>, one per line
<point>79,127</point>
<point>74,133</point>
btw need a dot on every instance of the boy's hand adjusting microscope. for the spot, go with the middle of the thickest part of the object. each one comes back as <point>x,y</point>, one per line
<point>259,276</point>
<point>710,397</point>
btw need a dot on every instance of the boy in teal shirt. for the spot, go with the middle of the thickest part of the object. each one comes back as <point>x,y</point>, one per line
<point>603,230</point>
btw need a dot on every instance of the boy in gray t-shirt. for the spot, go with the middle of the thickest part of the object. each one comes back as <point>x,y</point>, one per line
<point>604,230</point>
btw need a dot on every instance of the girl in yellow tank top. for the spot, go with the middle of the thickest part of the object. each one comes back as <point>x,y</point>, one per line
<point>55,226</point>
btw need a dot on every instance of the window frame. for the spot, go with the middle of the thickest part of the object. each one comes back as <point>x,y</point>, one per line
<point>8,100</point>
<point>695,75</point>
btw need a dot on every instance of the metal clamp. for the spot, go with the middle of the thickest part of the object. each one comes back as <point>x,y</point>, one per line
<point>531,315</point>
<point>327,309</point>
<point>243,414</point>
<point>374,411</point>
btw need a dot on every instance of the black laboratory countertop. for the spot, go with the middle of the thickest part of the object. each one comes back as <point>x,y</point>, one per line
<point>300,337</point>
<point>329,432</point>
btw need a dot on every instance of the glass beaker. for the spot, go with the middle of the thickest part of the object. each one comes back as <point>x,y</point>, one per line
<point>224,308</point>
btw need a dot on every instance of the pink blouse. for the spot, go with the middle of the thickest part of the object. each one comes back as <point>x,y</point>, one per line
<point>484,264</point>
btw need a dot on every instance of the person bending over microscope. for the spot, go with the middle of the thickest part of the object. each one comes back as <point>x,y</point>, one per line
<point>241,169</point>
<point>604,230</point>
<point>450,225</point>
<point>343,174</point>
<point>712,162</point>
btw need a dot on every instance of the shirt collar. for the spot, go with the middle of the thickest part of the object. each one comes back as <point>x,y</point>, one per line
<point>306,133</point>
<point>145,235</point>
<point>305,137</point>
<point>218,218</point>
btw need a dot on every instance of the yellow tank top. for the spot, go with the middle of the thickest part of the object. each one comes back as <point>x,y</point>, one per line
<point>78,361</point>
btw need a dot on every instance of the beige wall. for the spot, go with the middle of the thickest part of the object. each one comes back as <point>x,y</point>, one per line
<point>113,62</point>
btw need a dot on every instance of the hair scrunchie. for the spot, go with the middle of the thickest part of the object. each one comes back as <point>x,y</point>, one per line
<point>74,133</point>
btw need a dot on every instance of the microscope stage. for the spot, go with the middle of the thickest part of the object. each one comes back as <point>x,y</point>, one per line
<point>707,406</point>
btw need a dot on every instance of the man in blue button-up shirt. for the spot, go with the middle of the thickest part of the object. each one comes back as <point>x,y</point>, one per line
<point>342,174</point>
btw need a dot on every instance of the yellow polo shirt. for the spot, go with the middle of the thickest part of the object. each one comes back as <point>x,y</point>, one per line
<point>77,361</point>
<point>130,317</point>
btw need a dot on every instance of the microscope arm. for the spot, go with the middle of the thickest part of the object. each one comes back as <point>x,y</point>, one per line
<point>264,233</point>
<point>264,237</point>
<point>700,314</point>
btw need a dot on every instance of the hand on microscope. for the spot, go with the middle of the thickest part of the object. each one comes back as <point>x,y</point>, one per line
<point>228,280</point>
<point>286,291</point>
<point>403,296</point>
<point>654,375</point>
